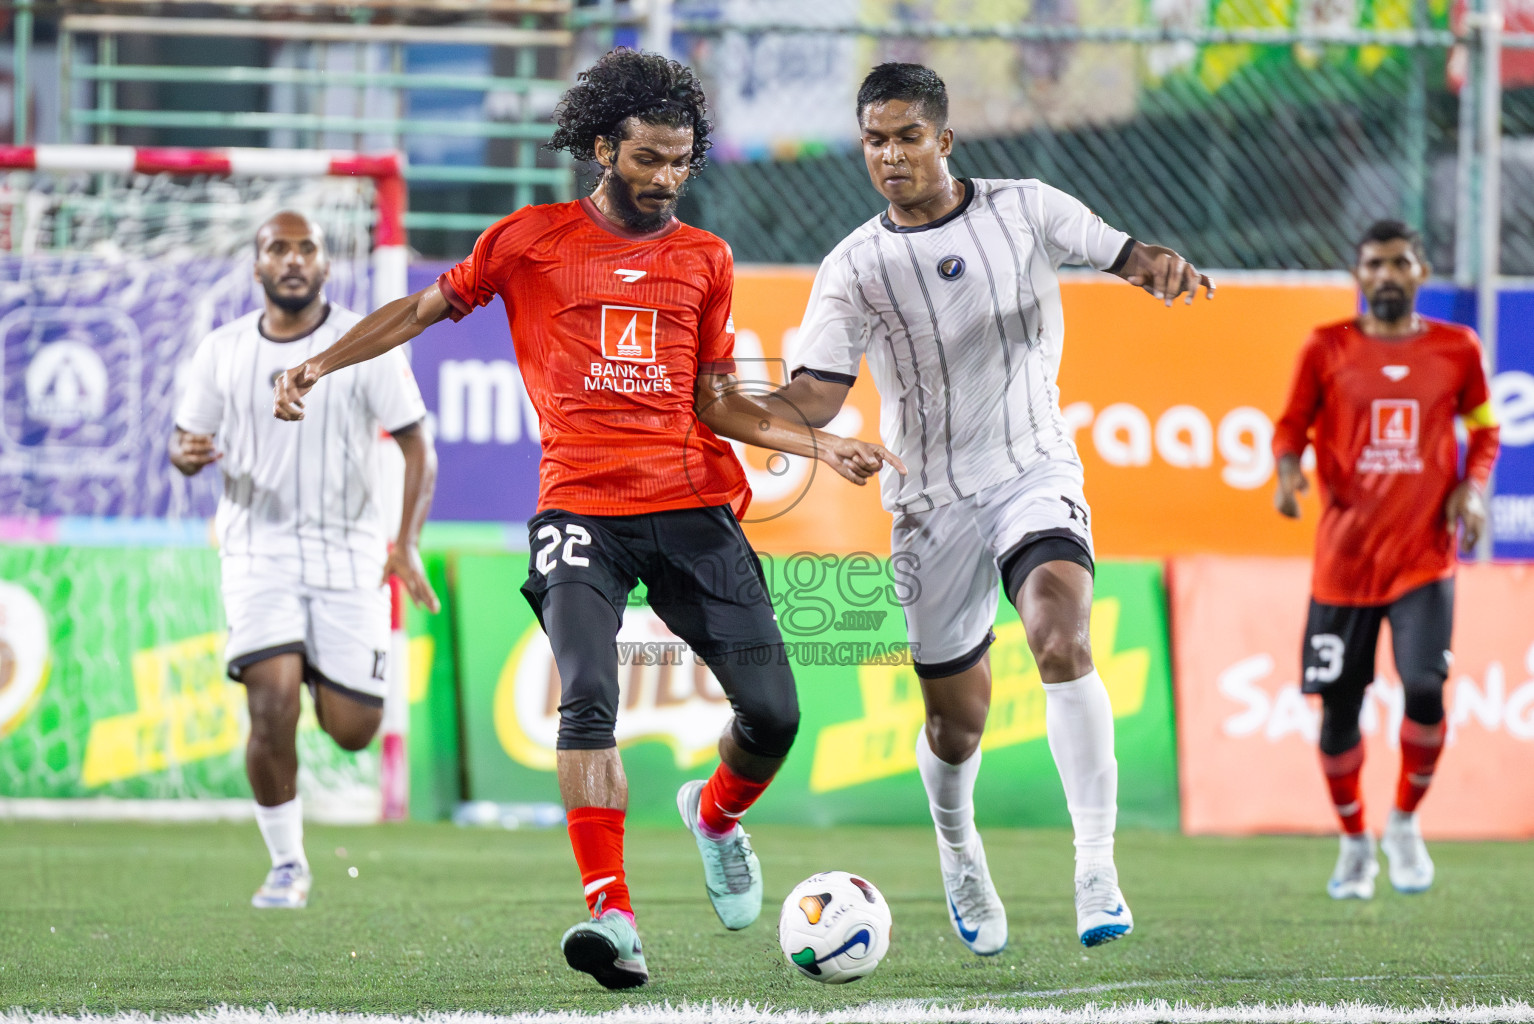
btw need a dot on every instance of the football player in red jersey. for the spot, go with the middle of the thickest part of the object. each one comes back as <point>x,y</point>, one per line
<point>1377,396</point>
<point>620,316</point>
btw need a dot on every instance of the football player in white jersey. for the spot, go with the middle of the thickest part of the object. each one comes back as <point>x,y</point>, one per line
<point>304,554</point>
<point>952,296</point>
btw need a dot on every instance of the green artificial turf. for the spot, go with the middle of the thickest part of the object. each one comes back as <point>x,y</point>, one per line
<point>107,917</point>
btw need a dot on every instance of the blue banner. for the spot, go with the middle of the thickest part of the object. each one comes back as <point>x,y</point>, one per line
<point>1512,392</point>
<point>487,431</point>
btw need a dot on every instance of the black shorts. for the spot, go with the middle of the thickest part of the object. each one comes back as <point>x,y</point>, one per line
<point>1340,641</point>
<point>702,577</point>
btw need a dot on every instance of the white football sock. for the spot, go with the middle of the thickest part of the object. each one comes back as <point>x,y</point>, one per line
<point>1079,721</point>
<point>283,829</point>
<point>950,792</point>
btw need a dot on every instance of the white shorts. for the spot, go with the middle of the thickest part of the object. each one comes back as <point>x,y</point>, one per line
<point>342,634</point>
<point>954,553</point>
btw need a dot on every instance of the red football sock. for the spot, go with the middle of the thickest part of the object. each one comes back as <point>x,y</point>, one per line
<point>726,795</point>
<point>1420,747</point>
<point>596,834</point>
<point>1342,771</point>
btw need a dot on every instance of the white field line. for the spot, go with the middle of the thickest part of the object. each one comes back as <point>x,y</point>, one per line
<point>906,1012</point>
<point>1118,986</point>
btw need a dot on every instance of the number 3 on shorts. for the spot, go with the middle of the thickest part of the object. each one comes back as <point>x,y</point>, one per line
<point>1328,648</point>
<point>576,535</point>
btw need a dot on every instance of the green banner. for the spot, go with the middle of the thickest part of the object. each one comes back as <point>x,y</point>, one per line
<point>854,760</point>
<point>432,745</point>
<point>112,684</point>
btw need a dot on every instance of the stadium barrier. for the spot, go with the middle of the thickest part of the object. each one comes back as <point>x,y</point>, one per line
<point>855,757</point>
<point>1247,737</point>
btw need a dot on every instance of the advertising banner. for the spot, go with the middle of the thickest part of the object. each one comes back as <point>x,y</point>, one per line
<point>112,684</point>
<point>433,743</point>
<point>90,349</point>
<point>854,759</point>
<point>1247,736</point>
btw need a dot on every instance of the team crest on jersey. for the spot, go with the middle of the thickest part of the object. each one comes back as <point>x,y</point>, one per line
<point>628,333</point>
<point>950,268</point>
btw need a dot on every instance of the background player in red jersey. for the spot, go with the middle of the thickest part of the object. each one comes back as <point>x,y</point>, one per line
<point>620,315</point>
<point>1377,396</point>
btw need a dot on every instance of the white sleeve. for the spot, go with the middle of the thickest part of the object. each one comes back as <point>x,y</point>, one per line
<point>200,405</point>
<point>1073,233</point>
<point>393,397</point>
<point>831,339</point>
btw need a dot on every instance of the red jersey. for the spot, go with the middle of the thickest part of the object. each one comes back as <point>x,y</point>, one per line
<point>1381,415</point>
<point>610,330</point>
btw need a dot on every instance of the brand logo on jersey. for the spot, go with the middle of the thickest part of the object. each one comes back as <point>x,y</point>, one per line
<point>950,268</point>
<point>630,276</point>
<point>1393,422</point>
<point>1396,373</point>
<point>628,334</point>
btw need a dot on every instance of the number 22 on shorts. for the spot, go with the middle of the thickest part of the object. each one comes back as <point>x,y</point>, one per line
<point>575,536</point>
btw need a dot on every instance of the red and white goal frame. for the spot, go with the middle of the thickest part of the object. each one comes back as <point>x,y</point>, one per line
<point>389,262</point>
<point>389,267</point>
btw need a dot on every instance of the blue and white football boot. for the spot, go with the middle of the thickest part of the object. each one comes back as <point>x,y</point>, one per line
<point>974,909</point>
<point>286,888</point>
<point>1101,913</point>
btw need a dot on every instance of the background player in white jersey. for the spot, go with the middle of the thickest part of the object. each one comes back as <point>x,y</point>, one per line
<point>304,555</point>
<point>951,295</point>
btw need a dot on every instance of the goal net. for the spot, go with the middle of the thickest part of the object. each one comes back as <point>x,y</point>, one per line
<point>114,263</point>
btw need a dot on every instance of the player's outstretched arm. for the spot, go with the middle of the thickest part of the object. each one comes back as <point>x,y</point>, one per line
<point>404,560</point>
<point>388,326</point>
<point>730,412</point>
<point>190,452</point>
<point>1291,484</point>
<point>1164,273</point>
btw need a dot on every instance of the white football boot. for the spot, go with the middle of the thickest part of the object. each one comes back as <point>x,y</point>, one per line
<point>1353,877</point>
<point>1411,869</point>
<point>974,909</point>
<point>286,888</point>
<point>1101,913</point>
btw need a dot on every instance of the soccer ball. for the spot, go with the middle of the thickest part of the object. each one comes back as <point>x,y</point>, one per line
<point>835,927</point>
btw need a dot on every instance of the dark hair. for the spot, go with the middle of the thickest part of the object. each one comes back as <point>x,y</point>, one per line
<point>914,83</point>
<point>626,83</point>
<point>1390,231</point>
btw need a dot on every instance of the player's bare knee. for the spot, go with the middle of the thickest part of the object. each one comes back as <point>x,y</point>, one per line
<point>954,738</point>
<point>1062,654</point>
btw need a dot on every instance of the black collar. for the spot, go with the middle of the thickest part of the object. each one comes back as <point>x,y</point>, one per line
<point>953,214</point>
<point>261,328</point>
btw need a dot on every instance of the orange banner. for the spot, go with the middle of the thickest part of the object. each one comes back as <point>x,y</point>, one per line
<point>1247,736</point>
<point>1172,411</point>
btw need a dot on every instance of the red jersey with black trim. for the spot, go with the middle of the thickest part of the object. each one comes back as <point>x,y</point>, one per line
<point>1380,412</point>
<point>610,330</point>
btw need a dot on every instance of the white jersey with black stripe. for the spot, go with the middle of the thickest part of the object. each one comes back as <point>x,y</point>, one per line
<point>961,323</point>
<point>305,493</point>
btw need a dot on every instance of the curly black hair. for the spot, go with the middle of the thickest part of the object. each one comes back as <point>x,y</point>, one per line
<point>626,83</point>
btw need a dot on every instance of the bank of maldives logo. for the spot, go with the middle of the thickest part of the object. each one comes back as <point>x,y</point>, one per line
<point>628,333</point>
<point>1393,423</point>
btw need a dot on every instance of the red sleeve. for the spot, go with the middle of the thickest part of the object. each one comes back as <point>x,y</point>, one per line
<point>1291,432</point>
<point>716,325</point>
<point>478,279</point>
<point>1481,450</point>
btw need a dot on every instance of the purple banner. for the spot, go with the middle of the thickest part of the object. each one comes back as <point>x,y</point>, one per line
<point>90,350</point>
<point>487,431</point>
